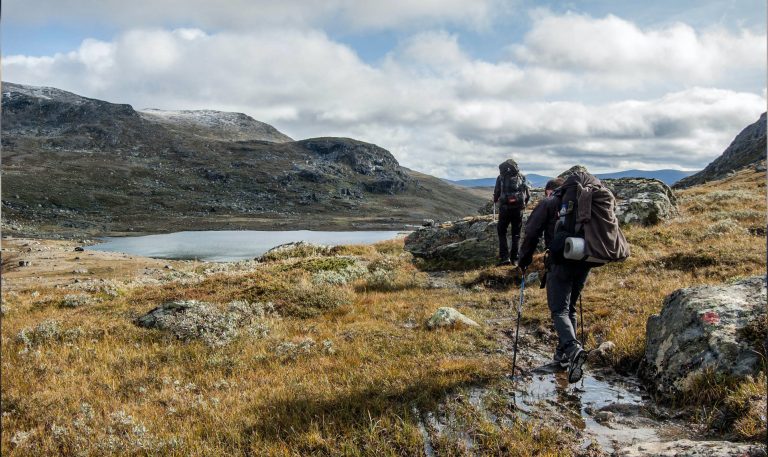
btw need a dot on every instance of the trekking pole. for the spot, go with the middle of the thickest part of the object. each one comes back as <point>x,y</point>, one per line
<point>494,210</point>
<point>581,320</point>
<point>517,330</point>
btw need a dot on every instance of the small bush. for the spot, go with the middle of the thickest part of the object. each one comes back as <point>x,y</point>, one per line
<point>341,277</point>
<point>295,250</point>
<point>309,300</point>
<point>46,332</point>
<point>76,300</point>
<point>721,196</point>
<point>746,406</point>
<point>315,265</point>
<point>390,247</point>
<point>723,227</point>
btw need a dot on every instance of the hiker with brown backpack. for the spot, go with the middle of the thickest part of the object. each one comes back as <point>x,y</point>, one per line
<point>586,235</point>
<point>512,192</point>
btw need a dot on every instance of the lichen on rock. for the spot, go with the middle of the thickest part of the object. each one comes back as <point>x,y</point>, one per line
<point>700,330</point>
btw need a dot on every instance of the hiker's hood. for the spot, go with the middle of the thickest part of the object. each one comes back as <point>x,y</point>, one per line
<point>583,178</point>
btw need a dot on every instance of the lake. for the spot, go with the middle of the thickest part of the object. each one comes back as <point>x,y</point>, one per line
<point>230,245</point>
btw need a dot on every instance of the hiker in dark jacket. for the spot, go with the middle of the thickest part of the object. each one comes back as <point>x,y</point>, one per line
<point>565,278</point>
<point>512,192</point>
<point>542,219</point>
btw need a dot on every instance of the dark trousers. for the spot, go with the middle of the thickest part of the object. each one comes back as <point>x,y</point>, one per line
<point>507,216</point>
<point>564,284</point>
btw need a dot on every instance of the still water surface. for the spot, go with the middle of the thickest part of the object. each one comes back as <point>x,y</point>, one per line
<point>229,245</point>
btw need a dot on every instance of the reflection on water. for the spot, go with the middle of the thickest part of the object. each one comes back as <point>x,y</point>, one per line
<point>230,245</point>
<point>592,394</point>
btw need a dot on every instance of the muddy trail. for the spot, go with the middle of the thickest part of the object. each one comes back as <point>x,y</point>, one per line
<point>608,413</point>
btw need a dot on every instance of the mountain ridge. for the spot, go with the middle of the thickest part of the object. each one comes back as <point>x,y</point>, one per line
<point>79,164</point>
<point>747,148</point>
<point>667,176</point>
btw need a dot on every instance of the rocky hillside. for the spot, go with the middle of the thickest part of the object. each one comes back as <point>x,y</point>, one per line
<point>216,125</point>
<point>85,165</point>
<point>746,149</point>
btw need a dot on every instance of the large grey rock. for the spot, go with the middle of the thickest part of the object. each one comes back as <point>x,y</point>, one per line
<point>688,448</point>
<point>194,320</point>
<point>469,242</point>
<point>702,328</point>
<point>642,201</point>
<point>449,317</point>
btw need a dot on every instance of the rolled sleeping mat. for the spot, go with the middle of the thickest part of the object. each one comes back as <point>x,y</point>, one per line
<point>575,249</point>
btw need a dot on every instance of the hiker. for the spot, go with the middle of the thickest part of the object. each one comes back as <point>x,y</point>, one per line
<point>580,208</point>
<point>512,192</point>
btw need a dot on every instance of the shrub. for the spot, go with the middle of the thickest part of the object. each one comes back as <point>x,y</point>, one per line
<point>76,300</point>
<point>309,300</point>
<point>46,332</point>
<point>723,227</point>
<point>341,277</point>
<point>295,250</point>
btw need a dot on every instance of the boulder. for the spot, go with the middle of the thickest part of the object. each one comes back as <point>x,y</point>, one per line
<point>467,243</point>
<point>707,328</point>
<point>216,326</point>
<point>642,201</point>
<point>449,317</point>
<point>601,356</point>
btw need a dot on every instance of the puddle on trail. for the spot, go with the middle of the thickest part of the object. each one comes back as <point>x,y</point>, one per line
<point>617,401</point>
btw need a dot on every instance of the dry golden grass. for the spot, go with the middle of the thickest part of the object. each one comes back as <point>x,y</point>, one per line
<point>94,383</point>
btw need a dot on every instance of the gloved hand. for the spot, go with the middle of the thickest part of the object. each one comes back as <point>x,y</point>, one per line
<point>524,262</point>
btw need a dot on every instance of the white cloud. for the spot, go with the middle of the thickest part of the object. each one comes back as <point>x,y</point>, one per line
<point>435,107</point>
<point>250,14</point>
<point>614,52</point>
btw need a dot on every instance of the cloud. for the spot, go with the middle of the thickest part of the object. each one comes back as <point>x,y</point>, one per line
<point>438,109</point>
<point>249,14</point>
<point>615,52</point>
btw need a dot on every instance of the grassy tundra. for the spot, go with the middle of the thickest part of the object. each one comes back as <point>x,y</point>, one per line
<point>325,352</point>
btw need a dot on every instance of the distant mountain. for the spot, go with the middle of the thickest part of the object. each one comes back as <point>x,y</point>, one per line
<point>748,148</point>
<point>72,163</point>
<point>669,177</point>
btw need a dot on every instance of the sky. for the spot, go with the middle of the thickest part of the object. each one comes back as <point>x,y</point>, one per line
<point>450,87</point>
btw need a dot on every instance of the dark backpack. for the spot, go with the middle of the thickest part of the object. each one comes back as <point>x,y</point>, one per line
<point>512,190</point>
<point>597,238</point>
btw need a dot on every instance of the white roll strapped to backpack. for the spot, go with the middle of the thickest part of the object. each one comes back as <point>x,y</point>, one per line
<point>575,248</point>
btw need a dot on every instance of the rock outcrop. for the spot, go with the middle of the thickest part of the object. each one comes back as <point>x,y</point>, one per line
<point>642,201</point>
<point>467,243</point>
<point>447,317</point>
<point>748,148</point>
<point>704,329</point>
<point>194,320</point>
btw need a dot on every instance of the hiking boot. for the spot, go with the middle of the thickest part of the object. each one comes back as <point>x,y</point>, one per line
<point>561,359</point>
<point>575,369</point>
<point>503,262</point>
